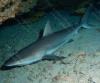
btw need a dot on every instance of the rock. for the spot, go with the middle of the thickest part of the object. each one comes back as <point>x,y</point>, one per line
<point>11,8</point>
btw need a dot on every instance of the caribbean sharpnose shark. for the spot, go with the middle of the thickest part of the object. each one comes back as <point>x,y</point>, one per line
<point>43,48</point>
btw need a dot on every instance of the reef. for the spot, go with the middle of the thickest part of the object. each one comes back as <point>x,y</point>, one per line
<point>11,8</point>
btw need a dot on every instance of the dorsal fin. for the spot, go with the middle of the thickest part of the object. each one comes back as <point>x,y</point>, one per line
<point>47,29</point>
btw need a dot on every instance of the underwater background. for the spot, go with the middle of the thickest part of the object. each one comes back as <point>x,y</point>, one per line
<point>82,62</point>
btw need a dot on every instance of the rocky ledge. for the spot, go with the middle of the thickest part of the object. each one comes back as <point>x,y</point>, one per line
<point>11,8</point>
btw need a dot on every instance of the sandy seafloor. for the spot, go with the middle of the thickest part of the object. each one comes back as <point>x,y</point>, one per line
<point>82,62</point>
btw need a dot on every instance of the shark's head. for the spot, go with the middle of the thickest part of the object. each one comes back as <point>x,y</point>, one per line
<point>10,63</point>
<point>21,59</point>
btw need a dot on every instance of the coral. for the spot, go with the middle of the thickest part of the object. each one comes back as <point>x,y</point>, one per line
<point>10,8</point>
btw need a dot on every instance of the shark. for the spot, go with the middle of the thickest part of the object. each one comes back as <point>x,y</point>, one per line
<point>45,46</point>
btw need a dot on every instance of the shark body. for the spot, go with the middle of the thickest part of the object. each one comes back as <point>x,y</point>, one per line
<point>42,48</point>
<point>45,47</point>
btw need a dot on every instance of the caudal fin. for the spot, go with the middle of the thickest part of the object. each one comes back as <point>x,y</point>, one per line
<point>85,19</point>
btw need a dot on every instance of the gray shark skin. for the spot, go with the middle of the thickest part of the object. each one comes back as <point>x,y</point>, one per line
<point>42,48</point>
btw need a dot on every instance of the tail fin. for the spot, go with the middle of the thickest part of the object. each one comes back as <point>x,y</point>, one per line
<point>84,20</point>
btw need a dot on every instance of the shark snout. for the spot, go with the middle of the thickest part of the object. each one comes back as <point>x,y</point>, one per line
<point>4,67</point>
<point>9,64</point>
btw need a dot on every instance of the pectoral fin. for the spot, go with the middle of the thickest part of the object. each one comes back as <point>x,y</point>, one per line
<point>53,58</point>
